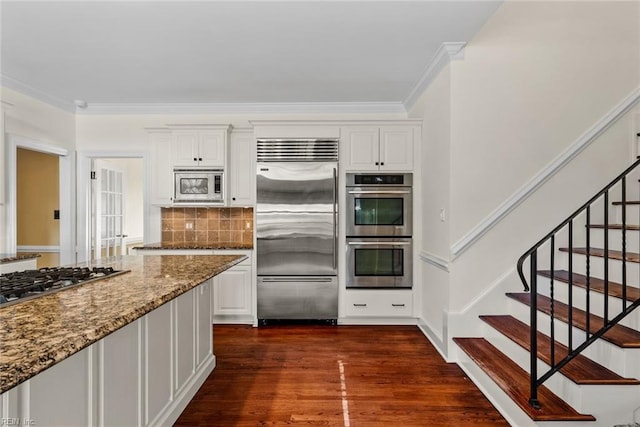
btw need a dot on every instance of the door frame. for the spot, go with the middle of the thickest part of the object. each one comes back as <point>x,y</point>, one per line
<point>65,181</point>
<point>83,196</point>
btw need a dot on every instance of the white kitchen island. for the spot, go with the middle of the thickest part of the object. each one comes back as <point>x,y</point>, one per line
<point>131,350</point>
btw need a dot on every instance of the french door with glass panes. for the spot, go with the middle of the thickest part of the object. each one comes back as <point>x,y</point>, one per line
<point>107,210</point>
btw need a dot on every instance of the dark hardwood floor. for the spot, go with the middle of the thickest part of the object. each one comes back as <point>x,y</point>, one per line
<point>351,376</point>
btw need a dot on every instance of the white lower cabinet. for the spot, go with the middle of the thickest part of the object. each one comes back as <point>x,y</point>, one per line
<point>378,303</point>
<point>143,374</point>
<point>232,298</point>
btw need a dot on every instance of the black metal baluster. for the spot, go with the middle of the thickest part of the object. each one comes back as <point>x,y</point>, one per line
<point>606,256</point>
<point>588,272</point>
<point>624,243</point>
<point>570,302</point>
<point>533,322</point>
<point>552,317</point>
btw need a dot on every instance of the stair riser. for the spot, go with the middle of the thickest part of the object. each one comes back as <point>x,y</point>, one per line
<point>623,361</point>
<point>561,293</point>
<point>632,241</point>
<point>596,267</point>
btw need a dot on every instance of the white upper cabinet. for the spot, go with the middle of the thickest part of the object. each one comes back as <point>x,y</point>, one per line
<point>161,167</point>
<point>373,148</point>
<point>241,170</point>
<point>200,147</point>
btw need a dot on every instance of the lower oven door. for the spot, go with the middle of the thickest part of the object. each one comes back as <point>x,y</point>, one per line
<point>297,298</point>
<point>379,262</point>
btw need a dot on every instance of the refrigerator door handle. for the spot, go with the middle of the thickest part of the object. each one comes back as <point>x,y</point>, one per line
<point>335,217</point>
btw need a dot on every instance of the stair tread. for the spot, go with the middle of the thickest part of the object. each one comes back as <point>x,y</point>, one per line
<point>515,382</point>
<point>580,369</point>
<point>595,284</point>
<point>599,252</point>
<point>633,227</point>
<point>619,335</point>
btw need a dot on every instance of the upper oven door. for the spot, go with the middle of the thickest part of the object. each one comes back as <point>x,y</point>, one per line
<point>379,211</point>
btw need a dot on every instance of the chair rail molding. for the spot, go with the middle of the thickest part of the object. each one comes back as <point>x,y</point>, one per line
<point>545,174</point>
<point>435,260</point>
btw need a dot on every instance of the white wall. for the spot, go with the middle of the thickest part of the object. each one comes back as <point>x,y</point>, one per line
<point>434,107</point>
<point>534,79</point>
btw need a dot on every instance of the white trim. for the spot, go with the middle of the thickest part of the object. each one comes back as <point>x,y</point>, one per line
<point>435,260</point>
<point>36,93</point>
<point>446,53</point>
<point>134,239</point>
<point>246,108</point>
<point>545,174</point>
<point>41,248</point>
<point>433,338</point>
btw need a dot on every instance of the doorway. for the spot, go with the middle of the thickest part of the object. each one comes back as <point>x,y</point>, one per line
<point>66,192</point>
<point>38,205</point>
<point>111,203</point>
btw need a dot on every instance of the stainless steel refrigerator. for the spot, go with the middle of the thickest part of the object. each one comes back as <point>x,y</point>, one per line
<point>296,227</point>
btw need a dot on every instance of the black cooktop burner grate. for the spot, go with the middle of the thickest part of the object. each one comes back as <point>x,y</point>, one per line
<point>21,285</point>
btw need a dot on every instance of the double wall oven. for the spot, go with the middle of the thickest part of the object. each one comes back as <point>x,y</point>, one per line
<point>379,230</point>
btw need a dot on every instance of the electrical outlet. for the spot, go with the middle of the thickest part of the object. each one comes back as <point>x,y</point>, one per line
<point>443,215</point>
<point>188,225</point>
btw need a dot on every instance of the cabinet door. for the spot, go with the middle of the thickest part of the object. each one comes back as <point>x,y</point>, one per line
<point>2,149</point>
<point>158,363</point>
<point>211,148</point>
<point>120,371</point>
<point>185,338</point>
<point>204,340</point>
<point>232,292</point>
<point>161,169</point>
<point>241,174</point>
<point>59,396</point>
<point>185,148</point>
<point>396,148</point>
<point>362,148</point>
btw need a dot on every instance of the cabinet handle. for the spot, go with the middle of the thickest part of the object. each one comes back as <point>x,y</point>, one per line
<point>377,163</point>
<point>233,198</point>
<point>397,305</point>
<point>195,159</point>
<point>381,163</point>
<point>200,159</point>
<point>359,305</point>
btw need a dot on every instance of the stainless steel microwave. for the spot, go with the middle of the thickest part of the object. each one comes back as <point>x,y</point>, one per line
<point>198,186</point>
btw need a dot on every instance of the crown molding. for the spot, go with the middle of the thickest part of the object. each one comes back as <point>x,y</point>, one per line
<point>447,52</point>
<point>247,108</point>
<point>36,93</point>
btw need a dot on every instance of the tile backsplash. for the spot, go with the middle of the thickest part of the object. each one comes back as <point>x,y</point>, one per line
<point>208,225</point>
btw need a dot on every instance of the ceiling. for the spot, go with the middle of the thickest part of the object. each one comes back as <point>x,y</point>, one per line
<point>152,53</point>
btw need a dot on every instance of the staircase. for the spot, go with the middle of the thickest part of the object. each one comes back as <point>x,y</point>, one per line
<point>567,350</point>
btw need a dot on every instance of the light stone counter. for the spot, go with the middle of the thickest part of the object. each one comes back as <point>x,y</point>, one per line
<point>38,333</point>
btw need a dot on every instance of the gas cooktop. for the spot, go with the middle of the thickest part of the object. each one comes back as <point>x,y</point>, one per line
<point>20,286</point>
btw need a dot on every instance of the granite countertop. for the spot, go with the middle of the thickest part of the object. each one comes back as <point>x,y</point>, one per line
<point>196,245</point>
<point>38,333</point>
<point>5,258</point>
